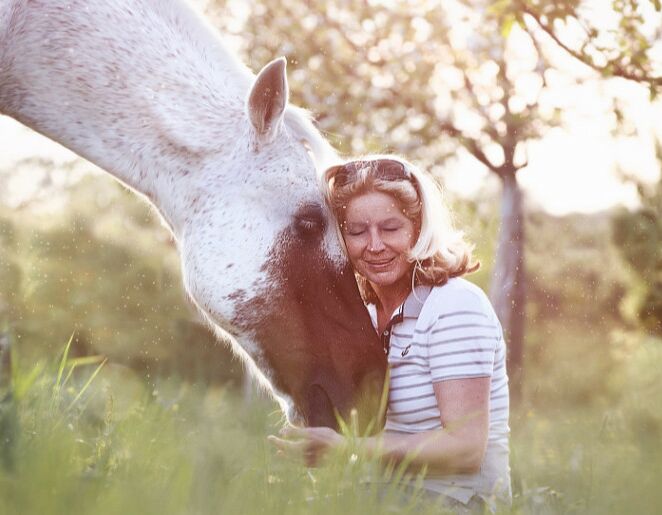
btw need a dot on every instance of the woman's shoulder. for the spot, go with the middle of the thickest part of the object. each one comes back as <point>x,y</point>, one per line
<point>459,312</point>
<point>458,288</point>
<point>458,294</point>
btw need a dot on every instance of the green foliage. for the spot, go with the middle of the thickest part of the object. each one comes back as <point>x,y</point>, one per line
<point>177,448</point>
<point>573,269</point>
<point>478,219</point>
<point>638,235</point>
<point>108,272</point>
<point>586,437</point>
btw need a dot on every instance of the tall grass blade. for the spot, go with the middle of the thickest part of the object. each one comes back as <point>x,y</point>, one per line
<point>63,363</point>
<point>87,383</point>
<point>86,360</point>
<point>22,382</point>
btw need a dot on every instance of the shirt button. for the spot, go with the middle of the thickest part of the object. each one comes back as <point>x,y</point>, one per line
<point>386,333</point>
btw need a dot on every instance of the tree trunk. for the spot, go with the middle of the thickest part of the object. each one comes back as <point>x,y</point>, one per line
<point>507,290</point>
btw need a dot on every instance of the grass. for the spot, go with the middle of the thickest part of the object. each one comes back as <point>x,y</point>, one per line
<point>79,437</point>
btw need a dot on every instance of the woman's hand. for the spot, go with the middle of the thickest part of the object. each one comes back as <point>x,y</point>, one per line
<point>309,443</point>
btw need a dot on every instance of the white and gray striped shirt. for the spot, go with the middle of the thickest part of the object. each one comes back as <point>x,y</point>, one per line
<point>450,332</point>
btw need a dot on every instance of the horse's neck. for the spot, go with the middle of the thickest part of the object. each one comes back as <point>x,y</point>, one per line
<point>140,87</point>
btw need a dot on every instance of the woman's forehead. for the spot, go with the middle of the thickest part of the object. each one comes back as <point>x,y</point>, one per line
<point>374,200</point>
<point>372,206</point>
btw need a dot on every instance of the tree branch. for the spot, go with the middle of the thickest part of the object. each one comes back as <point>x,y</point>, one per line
<point>612,68</point>
<point>468,143</point>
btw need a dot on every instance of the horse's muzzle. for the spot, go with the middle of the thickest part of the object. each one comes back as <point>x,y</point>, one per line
<point>320,410</point>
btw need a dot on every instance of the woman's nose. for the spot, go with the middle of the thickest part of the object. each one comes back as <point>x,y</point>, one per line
<point>376,244</point>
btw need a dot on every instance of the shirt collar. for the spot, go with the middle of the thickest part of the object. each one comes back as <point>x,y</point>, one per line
<point>415,300</point>
<point>410,308</point>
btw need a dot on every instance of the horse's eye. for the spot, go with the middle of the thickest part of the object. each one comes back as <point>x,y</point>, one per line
<point>309,220</point>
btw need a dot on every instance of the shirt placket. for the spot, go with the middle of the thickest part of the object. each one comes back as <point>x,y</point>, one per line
<point>388,330</point>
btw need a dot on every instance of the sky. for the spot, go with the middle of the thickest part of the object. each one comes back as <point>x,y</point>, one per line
<point>576,167</point>
<point>579,167</point>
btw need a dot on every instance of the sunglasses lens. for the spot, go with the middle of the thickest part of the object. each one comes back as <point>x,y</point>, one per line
<point>385,169</point>
<point>391,170</point>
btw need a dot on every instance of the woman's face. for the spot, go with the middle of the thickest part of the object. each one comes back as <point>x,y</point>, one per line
<point>378,236</point>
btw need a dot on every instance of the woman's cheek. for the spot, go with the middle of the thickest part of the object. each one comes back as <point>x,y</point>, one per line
<point>354,245</point>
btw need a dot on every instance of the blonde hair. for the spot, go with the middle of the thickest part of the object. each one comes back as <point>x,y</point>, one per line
<point>440,251</point>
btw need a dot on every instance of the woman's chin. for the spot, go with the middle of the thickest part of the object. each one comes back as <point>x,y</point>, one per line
<point>384,278</point>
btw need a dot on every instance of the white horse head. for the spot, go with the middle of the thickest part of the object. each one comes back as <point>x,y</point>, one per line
<point>145,89</point>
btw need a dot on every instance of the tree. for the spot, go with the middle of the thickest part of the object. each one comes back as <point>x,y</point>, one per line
<point>618,40</point>
<point>434,82</point>
<point>120,296</point>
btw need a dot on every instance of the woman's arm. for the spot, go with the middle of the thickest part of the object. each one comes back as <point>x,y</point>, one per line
<point>457,448</point>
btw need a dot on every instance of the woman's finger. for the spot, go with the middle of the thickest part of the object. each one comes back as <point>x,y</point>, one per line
<point>308,451</point>
<point>311,457</point>
<point>295,432</point>
<point>288,446</point>
<point>288,449</point>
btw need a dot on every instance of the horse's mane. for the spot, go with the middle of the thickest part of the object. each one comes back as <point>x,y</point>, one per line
<point>300,123</point>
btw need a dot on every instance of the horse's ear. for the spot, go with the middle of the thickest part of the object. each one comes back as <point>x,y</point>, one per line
<point>267,100</point>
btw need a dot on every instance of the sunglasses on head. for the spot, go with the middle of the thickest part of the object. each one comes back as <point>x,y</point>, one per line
<point>384,169</point>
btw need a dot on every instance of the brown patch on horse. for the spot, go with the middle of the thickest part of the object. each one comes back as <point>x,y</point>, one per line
<point>324,362</point>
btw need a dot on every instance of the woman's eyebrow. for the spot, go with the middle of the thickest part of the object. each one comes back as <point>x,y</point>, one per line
<point>381,222</point>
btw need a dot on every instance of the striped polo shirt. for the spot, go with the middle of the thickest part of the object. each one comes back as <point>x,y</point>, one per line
<point>443,333</point>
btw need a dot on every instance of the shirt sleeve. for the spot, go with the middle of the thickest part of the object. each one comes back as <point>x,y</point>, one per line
<point>463,340</point>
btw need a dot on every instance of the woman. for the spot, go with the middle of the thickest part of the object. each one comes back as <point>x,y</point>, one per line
<point>448,397</point>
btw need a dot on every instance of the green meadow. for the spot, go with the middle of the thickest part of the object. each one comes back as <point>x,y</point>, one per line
<point>115,399</point>
<point>78,437</point>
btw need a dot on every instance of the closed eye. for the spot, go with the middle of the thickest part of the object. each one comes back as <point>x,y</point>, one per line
<point>353,229</point>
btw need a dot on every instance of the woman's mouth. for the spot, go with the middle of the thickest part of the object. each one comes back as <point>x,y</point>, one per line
<point>379,264</point>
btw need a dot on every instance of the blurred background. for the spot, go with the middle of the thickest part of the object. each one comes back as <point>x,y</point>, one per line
<point>541,119</point>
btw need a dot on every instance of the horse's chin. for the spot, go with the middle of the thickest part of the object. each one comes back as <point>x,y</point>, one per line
<point>294,416</point>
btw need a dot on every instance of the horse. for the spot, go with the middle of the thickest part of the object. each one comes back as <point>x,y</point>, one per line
<point>146,90</point>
